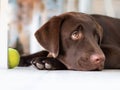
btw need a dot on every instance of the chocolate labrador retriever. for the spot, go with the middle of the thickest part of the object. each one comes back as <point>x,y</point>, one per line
<point>77,41</point>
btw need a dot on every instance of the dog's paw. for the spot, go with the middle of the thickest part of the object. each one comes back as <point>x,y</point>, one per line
<point>47,64</point>
<point>43,63</point>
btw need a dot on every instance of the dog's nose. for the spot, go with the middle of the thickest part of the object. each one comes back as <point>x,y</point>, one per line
<point>96,58</point>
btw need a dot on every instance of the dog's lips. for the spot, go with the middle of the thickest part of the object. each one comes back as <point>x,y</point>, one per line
<point>101,66</point>
<point>85,67</point>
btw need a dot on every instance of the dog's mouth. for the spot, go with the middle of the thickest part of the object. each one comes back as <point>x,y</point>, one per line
<point>83,66</point>
<point>99,68</point>
<point>91,67</point>
<point>86,67</point>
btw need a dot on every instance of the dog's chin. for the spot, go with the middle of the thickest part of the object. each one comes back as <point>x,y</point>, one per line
<point>92,68</point>
<point>99,68</point>
<point>89,68</point>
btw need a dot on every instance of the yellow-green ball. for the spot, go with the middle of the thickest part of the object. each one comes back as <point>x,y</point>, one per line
<point>13,58</point>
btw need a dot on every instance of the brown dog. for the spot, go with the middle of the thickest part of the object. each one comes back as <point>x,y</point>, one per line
<point>77,41</point>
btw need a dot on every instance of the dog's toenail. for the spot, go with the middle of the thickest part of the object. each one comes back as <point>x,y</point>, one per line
<point>48,66</point>
<point>40,66</point>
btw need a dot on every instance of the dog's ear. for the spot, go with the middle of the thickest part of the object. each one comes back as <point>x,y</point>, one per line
<point>48,35</point>
<point>99,28</point>
<point>100,31</point>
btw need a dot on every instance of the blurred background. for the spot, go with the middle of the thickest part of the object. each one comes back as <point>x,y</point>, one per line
<point>27,16</point>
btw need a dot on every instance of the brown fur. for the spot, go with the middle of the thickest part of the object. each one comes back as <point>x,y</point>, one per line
<point>95,36</point>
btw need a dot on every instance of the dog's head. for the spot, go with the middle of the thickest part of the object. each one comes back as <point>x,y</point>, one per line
<point>73,38</point>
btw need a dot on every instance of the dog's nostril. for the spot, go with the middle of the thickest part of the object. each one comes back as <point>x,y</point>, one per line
<point>95,59</point>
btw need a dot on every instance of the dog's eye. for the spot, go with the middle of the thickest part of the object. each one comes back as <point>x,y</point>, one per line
<point>76,35</point>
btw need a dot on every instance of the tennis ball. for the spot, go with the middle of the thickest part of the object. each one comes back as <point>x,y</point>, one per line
<point>13,58</point>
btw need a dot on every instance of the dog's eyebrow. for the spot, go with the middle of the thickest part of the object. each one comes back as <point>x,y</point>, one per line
<point>77,28</point>
<point>80,27</point>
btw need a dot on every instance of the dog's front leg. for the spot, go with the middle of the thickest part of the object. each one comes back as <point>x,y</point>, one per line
<point>48,63</point>
<point>26,60</point>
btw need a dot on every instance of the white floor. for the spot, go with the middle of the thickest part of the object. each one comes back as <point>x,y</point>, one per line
<point>32,79</point>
